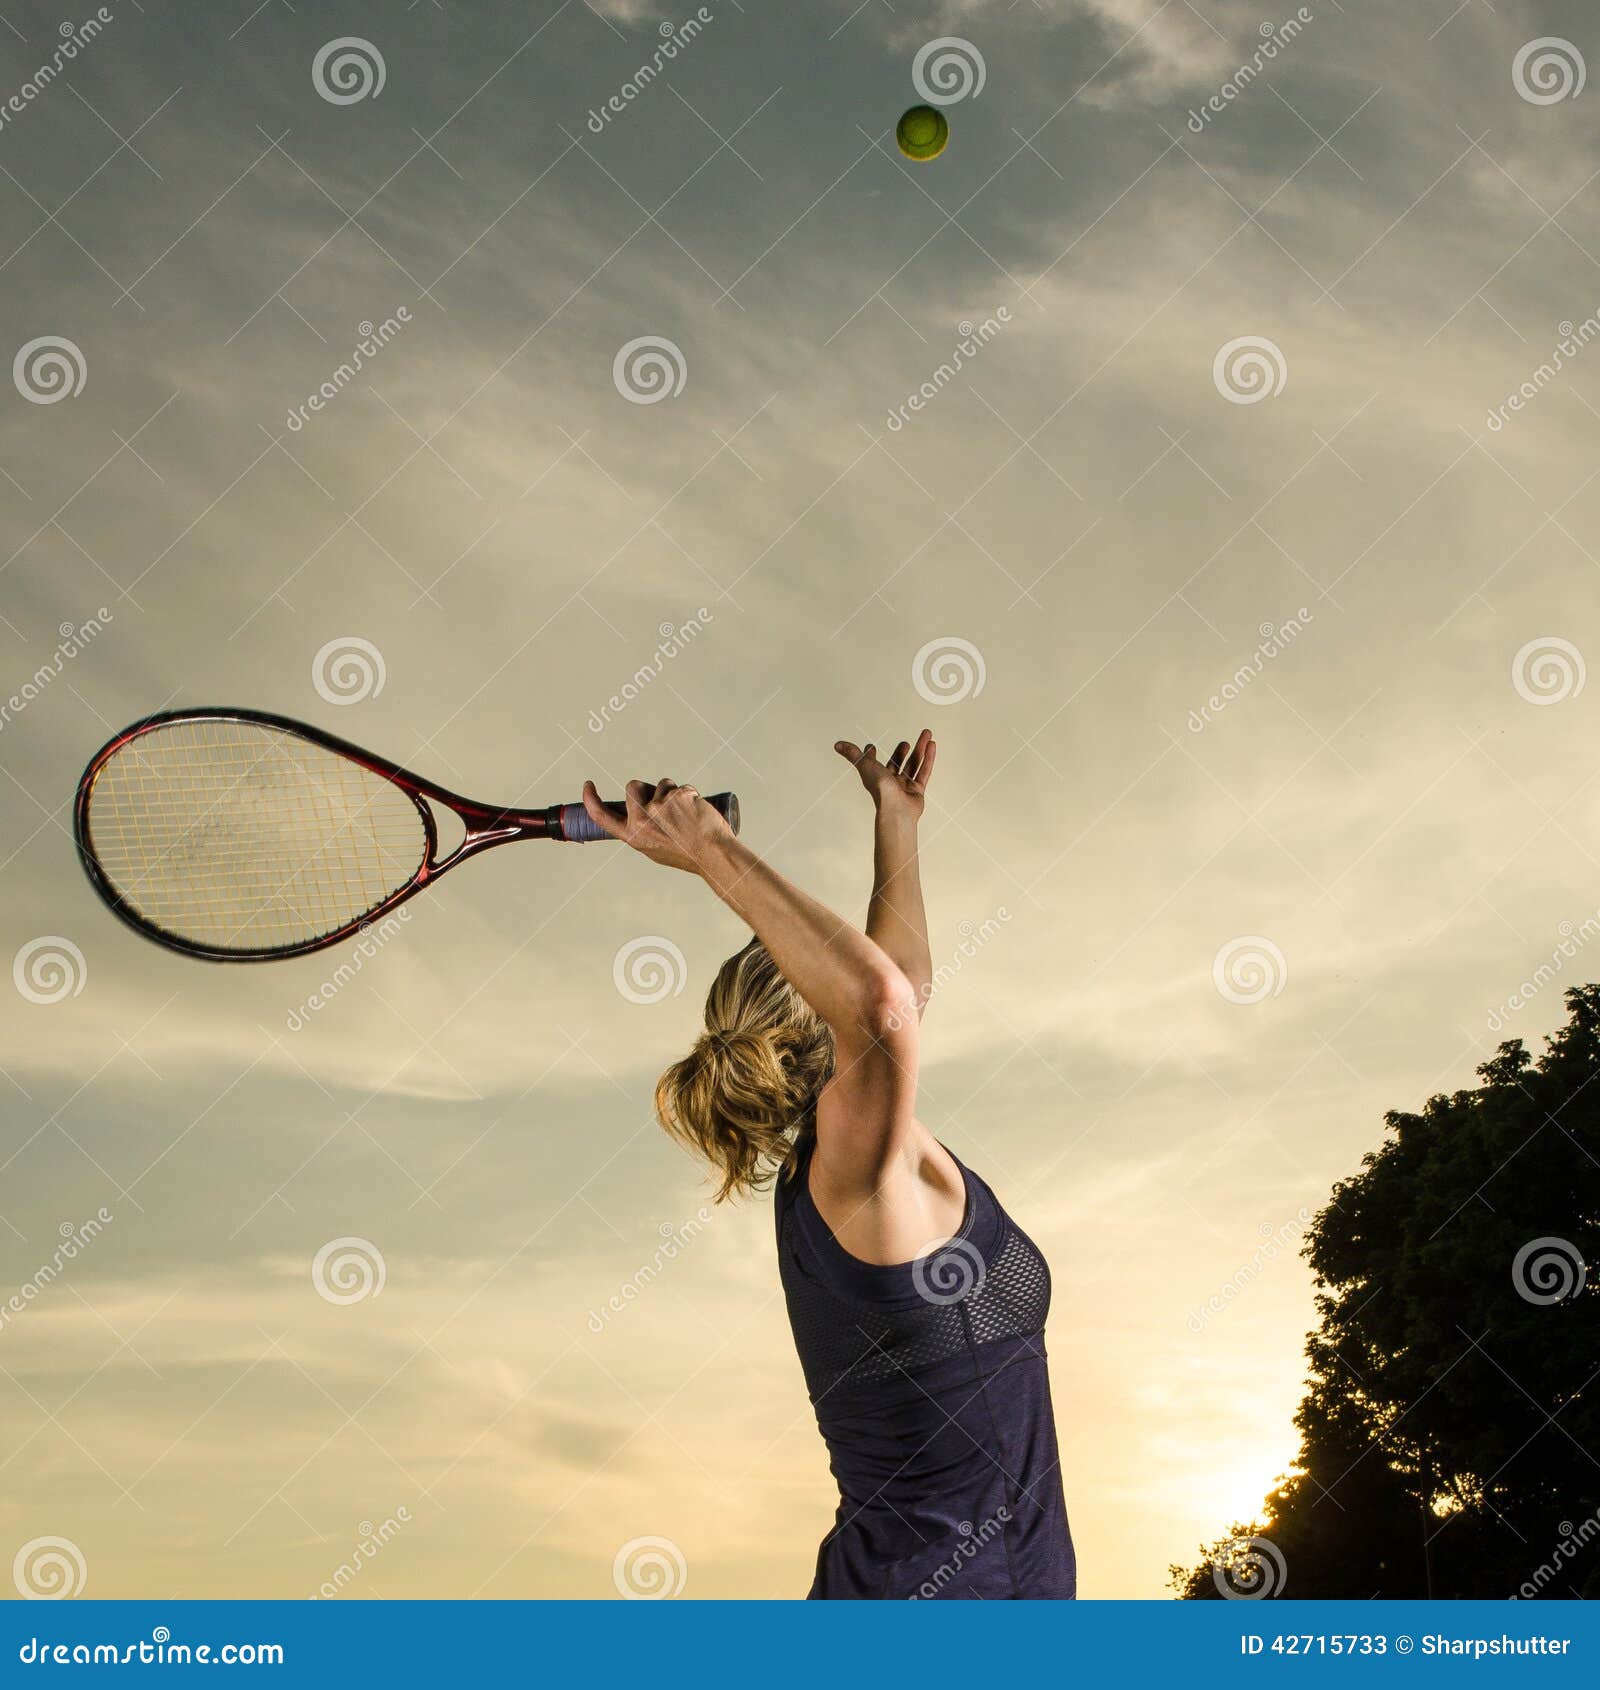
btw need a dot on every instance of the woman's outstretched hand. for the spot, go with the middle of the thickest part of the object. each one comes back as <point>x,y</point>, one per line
<point>901,784</point>
<point>670,824</point>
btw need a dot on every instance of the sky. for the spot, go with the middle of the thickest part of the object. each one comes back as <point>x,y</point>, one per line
<point>1249,614</point>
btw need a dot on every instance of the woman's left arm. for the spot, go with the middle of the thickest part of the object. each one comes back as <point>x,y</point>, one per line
<point>896,918</point>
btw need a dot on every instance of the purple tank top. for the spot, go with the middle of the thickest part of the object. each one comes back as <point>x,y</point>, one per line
<point>932,1394</point>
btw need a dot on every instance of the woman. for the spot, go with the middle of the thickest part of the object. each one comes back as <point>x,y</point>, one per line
<point>917,1306</point>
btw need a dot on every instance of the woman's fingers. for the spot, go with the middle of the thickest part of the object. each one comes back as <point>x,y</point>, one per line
<point>599,814</point>
<point>908,762</point>
<point>901,762</point>
<point>863,756</point>
<point>638,794</point>
<point>927,750</point>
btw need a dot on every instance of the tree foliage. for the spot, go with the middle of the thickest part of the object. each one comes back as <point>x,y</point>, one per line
<point>1450,1430</point>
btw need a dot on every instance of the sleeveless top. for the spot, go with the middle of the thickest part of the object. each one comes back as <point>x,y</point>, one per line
<point>932,1395</point>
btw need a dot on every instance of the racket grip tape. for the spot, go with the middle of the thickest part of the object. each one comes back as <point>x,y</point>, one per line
<point>572,822</point>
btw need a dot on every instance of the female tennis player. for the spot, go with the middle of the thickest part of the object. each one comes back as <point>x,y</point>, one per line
<point>917,1305</point>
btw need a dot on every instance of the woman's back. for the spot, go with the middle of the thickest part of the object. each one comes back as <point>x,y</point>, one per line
<point>931,1391</point>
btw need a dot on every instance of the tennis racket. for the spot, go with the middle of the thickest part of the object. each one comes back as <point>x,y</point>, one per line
<point>242,837</point>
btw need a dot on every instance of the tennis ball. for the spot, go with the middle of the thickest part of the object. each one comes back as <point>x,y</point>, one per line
<point>922,132</point>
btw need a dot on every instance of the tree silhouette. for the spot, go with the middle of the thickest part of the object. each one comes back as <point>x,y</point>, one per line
<point>1450,1431</point>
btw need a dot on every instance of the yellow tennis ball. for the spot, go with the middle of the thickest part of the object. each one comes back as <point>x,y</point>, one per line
<point>922,132</point>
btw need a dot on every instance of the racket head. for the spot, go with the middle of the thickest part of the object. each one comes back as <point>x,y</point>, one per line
<point>240,836</point>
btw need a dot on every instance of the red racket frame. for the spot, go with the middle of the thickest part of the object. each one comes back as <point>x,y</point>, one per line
<point>484,824</point>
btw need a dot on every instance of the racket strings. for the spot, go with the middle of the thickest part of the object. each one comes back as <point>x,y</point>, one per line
<point>243,837</point>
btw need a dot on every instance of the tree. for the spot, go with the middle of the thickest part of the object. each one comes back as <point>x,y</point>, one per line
<point>1450,1431</point>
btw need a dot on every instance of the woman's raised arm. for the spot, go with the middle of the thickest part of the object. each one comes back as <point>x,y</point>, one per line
<point>847,978</point>
<point>896,918</point>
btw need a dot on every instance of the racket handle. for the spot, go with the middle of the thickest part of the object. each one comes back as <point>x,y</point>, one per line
<point>572,821</point>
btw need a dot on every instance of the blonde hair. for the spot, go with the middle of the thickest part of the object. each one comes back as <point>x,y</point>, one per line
<point>748,1090</point>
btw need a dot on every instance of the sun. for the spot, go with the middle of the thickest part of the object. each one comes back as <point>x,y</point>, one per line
<point>1244,1487</point>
